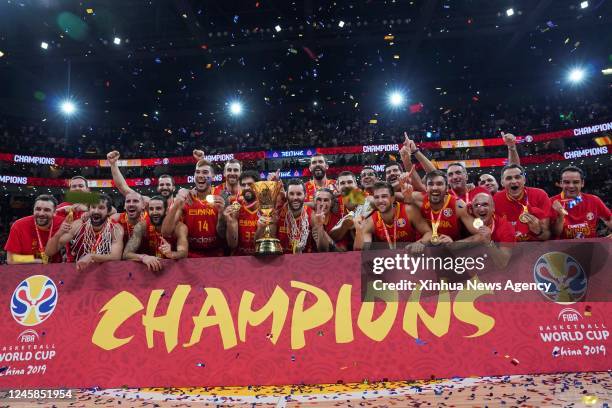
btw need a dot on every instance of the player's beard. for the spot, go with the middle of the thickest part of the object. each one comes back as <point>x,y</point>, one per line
<point>383,207</point>
<point>296,205</point>
<point>436,197</point>
<point>165,192</point>
<point>97,219</point>
<point>249,196</point>
<point>42,221</point>
<point>157,219</point>
<point>232,179</point>
<point>318,172</point>
<point>458,184</point>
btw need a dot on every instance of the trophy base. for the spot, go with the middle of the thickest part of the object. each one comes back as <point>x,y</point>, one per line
<point>268,246</point>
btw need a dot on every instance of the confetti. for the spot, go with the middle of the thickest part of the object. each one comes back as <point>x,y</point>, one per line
<point>200,365</point>
<point>589,400</point>
<point>420,342</point>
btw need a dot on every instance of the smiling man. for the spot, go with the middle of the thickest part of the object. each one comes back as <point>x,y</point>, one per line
<point>29,235</point>
<point>201,212</point>
<point>458,182</point>
<point>447,215</point>
<point>318,169</point>
<point>134,213</point>
<point>230,188</point>
<point>526,208</point>
<point>576,213</point>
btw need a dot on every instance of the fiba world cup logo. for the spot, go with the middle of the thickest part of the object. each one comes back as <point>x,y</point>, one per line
<point>568,279</point>
<point>34,300</point>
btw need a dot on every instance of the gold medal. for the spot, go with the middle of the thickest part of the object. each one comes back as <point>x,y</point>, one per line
<point>524,218</point>
<point>435,239</point>
<point>236,206</point>
<point>477,223</point>
<point>44,258</point>
<point>210,199</point>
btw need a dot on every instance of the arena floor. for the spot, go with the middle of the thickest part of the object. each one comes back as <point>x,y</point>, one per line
<point>552,390</point>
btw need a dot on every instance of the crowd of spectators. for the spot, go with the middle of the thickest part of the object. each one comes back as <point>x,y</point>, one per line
<point>310,129</point>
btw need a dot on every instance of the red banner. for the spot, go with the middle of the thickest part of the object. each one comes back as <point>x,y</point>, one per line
<point>223,157</point>
<point>293,319</point>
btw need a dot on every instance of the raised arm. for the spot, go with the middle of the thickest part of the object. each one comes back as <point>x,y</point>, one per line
<point>510,141</point>
<point>118,178</point>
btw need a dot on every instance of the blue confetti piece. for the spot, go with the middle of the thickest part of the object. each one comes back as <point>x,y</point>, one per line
<point>158,60</point>
<point>236,19</point>
<point>420,342</point>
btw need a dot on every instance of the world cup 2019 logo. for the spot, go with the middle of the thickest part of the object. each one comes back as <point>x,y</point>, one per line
<point>568,279</point>
<point>34,300</point>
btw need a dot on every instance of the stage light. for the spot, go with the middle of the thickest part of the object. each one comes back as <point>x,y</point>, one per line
<point>68,108</point>
<point>278,28</point>
<point>44,45</point>
<point>341,24</point>
<point>606,71</point>
<point>584,4</point>
<point>235,108</point>
<point>117,41</point>
<point>428,134</point>
<point>510,12</point>
<point>315,103</point>
<point>576,75</point>
<point>1,54</point>
<point>396,99</point>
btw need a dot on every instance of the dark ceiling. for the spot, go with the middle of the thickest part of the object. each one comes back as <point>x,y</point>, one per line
<point>185,59</point>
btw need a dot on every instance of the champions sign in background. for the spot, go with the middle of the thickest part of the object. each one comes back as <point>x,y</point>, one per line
<point>286,320</point>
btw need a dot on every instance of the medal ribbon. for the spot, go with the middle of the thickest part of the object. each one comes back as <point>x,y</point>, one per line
<point>392,245</point>
<point>435,223</point>
<point>41,249</point>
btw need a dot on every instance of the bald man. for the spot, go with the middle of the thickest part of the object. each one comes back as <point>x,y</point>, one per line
<point>496,233</point>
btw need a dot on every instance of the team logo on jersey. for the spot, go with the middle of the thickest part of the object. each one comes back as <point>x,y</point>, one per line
<point>567,276</point>
<point>590,216</point>
<point>401,222</point>
<point>34,300</point>
<point>448,212</point>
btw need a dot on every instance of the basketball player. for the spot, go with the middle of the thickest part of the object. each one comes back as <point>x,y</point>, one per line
<point>576,213</point>
<point>528,209</point>
<point>241,217</point>
<point>495,233</point>
<point>318,170</point>
<point>96,240</point>
<point>29,235</point>
<point>323,220</point>
<point>458,180</point>
<point>488,181</point>
<point>147,234</point>
<point>391,222</point>
<point>165,182</point>
<point>367,178</point>
<point>230,188</point>
<point>77,183</point>
<point>445,213</point>
<point>134,213</point>
<point>293,223</point>
<point>201,212</point>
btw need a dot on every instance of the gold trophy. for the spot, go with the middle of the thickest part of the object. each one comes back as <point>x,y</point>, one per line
<point>267,193</point>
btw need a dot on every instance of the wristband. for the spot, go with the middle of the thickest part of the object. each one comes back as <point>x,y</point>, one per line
<point>416,151</point>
